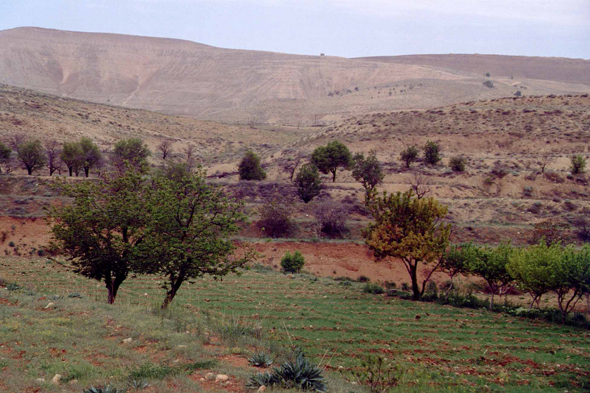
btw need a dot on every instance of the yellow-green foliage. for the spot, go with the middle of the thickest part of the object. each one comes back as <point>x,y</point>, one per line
<point>408,228</point>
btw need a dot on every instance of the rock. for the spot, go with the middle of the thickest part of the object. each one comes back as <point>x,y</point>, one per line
<point>127,340</point>
<point>49,306</point>
<point>209,376</point>
<point>181,346</point>
<point>221,378</point>
<point>41,380</point>
<point>73,382</point>
<point>261,389</point>
<point>56,379</point>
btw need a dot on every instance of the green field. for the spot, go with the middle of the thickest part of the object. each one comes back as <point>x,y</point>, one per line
<point>440,348</point>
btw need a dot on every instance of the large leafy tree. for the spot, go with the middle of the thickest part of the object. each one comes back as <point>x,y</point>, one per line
<point>456,260</point>
<point>572,278</point>
<point>31,155</point>
<point>91,155</point>
<point>101,229</point>
<point>367,170</point>
<point>533,268</point>
<point>331,157</point>
<point>131,153</point>
<point>187,232</point>
<point>410,229</point>
<point>72,156</point>
<point>491,265</point>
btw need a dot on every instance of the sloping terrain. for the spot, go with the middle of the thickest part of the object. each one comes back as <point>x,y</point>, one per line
<point>187,78</point>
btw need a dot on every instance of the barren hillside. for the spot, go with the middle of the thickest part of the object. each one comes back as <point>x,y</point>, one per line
<point>187,78</point>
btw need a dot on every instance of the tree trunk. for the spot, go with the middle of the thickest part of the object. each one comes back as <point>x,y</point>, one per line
<point>86,171</point>
<point>30,170</point>
<point>171,293</point>
<point>415,287</point>
<point>70,169</point>
<point>113,285</point>
<point>334,176</point>
<point>492,301</point>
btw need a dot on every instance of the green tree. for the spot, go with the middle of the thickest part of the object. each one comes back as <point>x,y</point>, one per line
<point>5,153</point>
<point>91,155</point>
<point>331,157</point>
<point>367,170</point>
<point>572,278</point>
<point>491,265</point>
<point>578,164</point>
<point>410,229</point>
<point>187,231</point>
<point>432,153</point>
<point>72,156</point>
<point>308,182</point>
<point>533,269</point>
<point>101,230</point>
<point>250,168</point>
<point>456,260</point>
<point>409,155</point>
<point>31,155</point>
<point>292,263</point>
<point>132,151</point>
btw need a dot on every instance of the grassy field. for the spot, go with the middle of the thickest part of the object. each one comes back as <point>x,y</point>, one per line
<point>214,325</point>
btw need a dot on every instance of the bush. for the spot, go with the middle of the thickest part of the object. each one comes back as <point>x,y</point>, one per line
<point>377,374</point>
<point>409,155</point>
<point>308,182</point>
<point>375,289</point>
<point>275,219</point>
<point>367,170</point>
<point>432,153</point>
<point>489,84</point>
<point>292,263</point>
<point>550,231</point>
<point>260,359</point>
<point>331,219</point>
<point>578,164</point>
<point>457,164</point>
<point>527,191</point>
<point>364,279</point>
<point>250,168</point>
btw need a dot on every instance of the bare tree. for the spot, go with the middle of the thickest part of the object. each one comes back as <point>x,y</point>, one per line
<point>17,140</point>
<point>165,147</point>
<point>545,159</point>
<point>290,165</point>
<point>420,185</point>
<point>190,152</point>
<point>53,154</point>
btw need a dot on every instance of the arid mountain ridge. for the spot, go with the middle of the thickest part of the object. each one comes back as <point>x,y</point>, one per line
<point>187,78</point>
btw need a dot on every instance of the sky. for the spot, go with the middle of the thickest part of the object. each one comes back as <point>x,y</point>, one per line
<point>347,28</point>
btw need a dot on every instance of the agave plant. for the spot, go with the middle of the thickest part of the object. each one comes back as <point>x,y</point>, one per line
<point>261,379</point>
<point>260,359</point>
<point>138,384</point>
<point>301,374</point>
<point>103,389</point>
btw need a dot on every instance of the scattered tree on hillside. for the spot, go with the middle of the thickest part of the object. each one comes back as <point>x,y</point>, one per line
<point>53,157</point>
<point>101,230</point>
<point>190,153</point>
<point>131,152</point>
<point>409,155</point>
<point>420,185</point>
<point>91,155</point>
<point>187,231</point>
<point>331,157</point>
<point>5,154</point>
<point>31,155</point>
<point>408,228</point>
<point>432,153</point>
<point>308,182</point>
<point>289,165</point>
<point>72,156</point>
<point>544,160</point>
<point>165,147</point>
<point>578,164</point>
<point>250,168</point>
<point>367,171</point>
<point>17,140</point>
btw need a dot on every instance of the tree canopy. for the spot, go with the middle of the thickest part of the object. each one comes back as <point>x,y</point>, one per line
<point>308,182</point>
<point>331,157</point>
<point>31,155</point>
<point>367,170</point>
<point>131,152</point>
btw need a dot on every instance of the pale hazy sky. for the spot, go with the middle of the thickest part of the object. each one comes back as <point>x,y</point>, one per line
<point>348,28</point>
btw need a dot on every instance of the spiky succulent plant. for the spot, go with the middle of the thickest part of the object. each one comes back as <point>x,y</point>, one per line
<point>260,359</point>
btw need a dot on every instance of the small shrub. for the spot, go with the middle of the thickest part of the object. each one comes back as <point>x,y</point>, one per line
<point>405,287</point>
<point>554,177</point>
<point>518,93</point>
<point>331,219</point>
<point>11,244</point>
<point>457,164</point>
<point>275,219</point>
<point>578,164</point>
<point>432,288</point>
<point>250,168</point>
<point>375,289</point>
<point>308,182</point>
<point>432,153</point>
<point>292,263</point>
<point>409,155</point>
<point>260,359</point>
<point>376,373</point>
<point>527,191</point>
<point>153,371</point>
<point>74,295</point>
<point>364,279</point>
<point>489,84</point>
<point>551,231</point>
